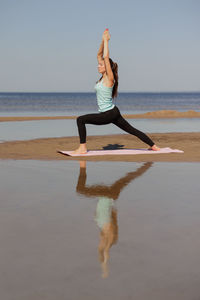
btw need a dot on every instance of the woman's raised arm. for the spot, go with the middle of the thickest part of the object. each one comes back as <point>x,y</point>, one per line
<point>100,52</point>
<point>109,72</point>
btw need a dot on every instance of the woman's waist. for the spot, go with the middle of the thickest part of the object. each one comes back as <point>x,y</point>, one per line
<point>104,108</point>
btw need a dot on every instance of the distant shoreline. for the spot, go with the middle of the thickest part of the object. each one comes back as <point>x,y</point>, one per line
<point>92,92</point>
<point>160,114</point>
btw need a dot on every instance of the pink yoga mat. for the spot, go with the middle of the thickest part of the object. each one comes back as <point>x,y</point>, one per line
<point>122,152</point>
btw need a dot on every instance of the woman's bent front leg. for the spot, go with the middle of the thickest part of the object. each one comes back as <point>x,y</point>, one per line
<point>94,119</point>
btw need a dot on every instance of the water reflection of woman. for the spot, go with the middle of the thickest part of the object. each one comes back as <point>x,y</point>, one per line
<point>106,212</point>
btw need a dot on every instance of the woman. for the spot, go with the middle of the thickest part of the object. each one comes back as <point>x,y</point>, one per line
<point>106,90</point>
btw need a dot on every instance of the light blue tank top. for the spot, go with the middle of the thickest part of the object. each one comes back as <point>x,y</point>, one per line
<point>104,96</point>
<point>104,211</point>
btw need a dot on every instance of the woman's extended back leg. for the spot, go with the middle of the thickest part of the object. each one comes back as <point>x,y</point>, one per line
<point>124,125</point>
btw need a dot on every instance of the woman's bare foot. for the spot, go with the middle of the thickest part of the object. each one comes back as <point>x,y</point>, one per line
<point>154,148</point>
<point>82,149</point>
<point>78,151</point>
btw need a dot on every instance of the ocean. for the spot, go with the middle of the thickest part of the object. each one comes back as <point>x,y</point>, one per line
<point>69,104</point>
<point>51,104</point>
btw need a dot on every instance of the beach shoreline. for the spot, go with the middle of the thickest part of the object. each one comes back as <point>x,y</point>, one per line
<point>160,114</point>
<point>46,148</point>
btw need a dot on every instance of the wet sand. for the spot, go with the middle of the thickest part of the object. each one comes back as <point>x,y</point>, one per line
<point>149,115</point>
<point>46,149</point>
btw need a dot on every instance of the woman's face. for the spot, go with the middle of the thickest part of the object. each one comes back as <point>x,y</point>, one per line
<point>101,67</point>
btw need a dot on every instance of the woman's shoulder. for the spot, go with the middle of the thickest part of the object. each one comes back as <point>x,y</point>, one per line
<point>106,82</point>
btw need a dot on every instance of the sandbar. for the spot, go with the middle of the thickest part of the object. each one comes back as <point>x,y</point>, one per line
<point>160,114</point>
<point>46,148</point>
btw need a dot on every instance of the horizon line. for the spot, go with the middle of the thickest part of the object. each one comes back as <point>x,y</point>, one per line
<point>91,92</point>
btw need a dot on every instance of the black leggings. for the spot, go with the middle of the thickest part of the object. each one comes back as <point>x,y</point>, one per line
<point>107,117</point>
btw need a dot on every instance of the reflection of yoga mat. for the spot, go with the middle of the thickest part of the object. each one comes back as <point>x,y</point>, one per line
<point>122,152</point>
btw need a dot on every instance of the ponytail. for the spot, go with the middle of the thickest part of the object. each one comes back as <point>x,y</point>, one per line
<point>114,67</point>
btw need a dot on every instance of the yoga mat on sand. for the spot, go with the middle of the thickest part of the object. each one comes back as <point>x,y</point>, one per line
<point>122,152</point>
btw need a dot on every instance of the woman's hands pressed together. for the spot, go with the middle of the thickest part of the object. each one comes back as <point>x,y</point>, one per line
<point>106,35</point>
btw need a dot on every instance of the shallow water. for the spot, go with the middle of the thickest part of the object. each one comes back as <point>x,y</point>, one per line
<point>51,242</point>
<point>58,128</point>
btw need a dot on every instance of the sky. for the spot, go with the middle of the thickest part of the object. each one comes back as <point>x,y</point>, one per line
<point>52,45</point>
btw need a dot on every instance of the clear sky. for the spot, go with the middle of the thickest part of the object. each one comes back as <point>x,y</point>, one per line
<point>51,45</point>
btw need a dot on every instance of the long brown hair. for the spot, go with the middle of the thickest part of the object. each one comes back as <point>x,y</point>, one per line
<point>114,67</point>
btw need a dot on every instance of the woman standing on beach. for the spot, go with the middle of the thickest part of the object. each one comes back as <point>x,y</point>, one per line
<point>106,90</point>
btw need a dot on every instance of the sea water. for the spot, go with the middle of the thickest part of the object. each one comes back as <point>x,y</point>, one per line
<point>51,104</point>
<point>26,130</point>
